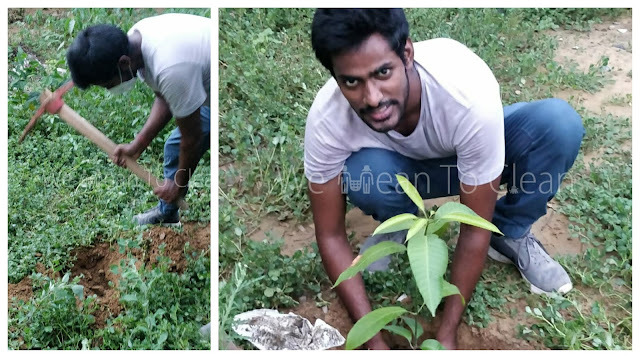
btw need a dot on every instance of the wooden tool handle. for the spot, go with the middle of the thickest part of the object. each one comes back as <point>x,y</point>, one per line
<point>107,145</point>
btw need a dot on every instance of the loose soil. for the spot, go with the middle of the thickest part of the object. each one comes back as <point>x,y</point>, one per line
<point>585,48</point>
<point>499,334</point>
<point>94,264</point>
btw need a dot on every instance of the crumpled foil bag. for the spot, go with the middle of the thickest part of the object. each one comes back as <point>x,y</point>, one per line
<point>271,330</point>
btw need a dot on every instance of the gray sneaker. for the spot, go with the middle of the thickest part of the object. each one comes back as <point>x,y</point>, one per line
<point>544,274</point>
<point>383,263</point>
<point>155,217</point>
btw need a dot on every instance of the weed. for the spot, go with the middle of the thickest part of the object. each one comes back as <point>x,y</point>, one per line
<point>162,309</point>
<point>565,324</point>
<point>58,317</point>
<point>619,100</point>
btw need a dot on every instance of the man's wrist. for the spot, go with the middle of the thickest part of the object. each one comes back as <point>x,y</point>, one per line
<point>140,142</point>
<point>376,342</point>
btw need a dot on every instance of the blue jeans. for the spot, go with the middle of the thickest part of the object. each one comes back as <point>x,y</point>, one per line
<point>542,140</point>
<point>172,154</point>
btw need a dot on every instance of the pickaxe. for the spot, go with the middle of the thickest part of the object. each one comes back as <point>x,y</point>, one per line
<point>52,103</point>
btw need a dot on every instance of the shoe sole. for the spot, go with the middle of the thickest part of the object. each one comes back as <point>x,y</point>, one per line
<point>173,225</point>
<point>496,256</point>
<point>178,224</point>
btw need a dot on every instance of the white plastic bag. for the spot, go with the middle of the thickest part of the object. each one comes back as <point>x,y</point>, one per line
<point>272,330</point>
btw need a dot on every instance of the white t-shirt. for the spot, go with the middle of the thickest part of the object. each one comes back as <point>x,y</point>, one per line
<point>461,114</point>
<point>176,49</point>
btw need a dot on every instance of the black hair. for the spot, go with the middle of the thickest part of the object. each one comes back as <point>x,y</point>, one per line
<point>334,31</point>
<point>93,56</point>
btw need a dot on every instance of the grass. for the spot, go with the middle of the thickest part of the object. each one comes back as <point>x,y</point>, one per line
<point>64,192</point>
<point>268,80</point>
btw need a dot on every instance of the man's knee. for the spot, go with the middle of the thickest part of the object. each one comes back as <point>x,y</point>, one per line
<point>369,181</point>
<point>562,124</point>
<point>566,122</point>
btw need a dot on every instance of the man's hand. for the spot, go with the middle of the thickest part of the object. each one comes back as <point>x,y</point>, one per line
<point>377,343</point>
<point>449,341</point>
<point>169,191</point>
<point>468,258</point>
<point>129,150</point>
<point>328,206</point>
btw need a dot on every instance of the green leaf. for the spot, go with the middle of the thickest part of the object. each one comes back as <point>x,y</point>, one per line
<point>268,292</point>
<point>401,331</point>
<point>437,227</point>
<point>411,192</point>
<point>432,345</point>
<point>449,289</point>
<point>418,227</point>
<point>370,256</point>
<point>129,297</point>
<point>370,324</point>
<point>72,24</point>
<point>78,290</point>
<point>428,258</point>
<point>162,338</point>
<point>396,223</point>
<point>65,279</point>
<point>414,325</point>
<point>453,211</point>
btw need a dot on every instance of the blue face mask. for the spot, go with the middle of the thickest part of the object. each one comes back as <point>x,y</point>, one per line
<point>123,86</point>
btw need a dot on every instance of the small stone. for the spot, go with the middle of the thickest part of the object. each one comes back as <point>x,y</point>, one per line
<point>575,47</point>
<point>620,46</point>
<point>611,27</point>
<point>38,254</point>
<point>622,31</point>
<point>302,299</point>
<point>560,39</point>
<point>301,228</point>
<point>518,92</point>
<point>616,23</point>
<point>325,309</point>
<point>402,297</point>
<point>162,236</point>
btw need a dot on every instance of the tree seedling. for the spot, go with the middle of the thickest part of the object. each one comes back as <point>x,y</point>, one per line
<point>428,258</point>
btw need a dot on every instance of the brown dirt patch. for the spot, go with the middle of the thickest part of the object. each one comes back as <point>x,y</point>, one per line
<point>500,334</point>
<point>173,243</point>
<point>94,264</point>
<point>336,314</point>
<point>586,48</point>
<point>21,291</point>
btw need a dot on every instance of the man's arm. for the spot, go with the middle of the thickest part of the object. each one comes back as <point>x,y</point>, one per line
<point>328,207</point>
<point>469,257</point>
<point>158,118</point>
<point>190,138</point>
